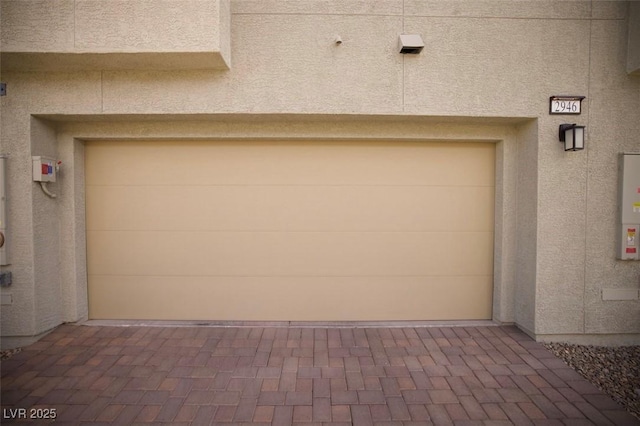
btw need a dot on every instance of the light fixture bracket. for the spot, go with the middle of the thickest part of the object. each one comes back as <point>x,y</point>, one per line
<point>572,135</point>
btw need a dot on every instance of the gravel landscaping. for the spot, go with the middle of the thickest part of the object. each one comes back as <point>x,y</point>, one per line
<point>614,370</point>
<point>8,353</point>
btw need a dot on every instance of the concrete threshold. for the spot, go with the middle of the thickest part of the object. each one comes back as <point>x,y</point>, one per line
<point>291,324</point>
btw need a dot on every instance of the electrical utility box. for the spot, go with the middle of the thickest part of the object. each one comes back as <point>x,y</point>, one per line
<point>44,169</point>
<point>629,204</point>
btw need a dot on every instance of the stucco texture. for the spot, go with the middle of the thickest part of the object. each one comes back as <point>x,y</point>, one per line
<point>486,73</point>
<point>63,35</point>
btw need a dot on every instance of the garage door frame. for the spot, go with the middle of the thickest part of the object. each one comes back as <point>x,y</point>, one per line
<point>72,133</point>
<point>165,258</point>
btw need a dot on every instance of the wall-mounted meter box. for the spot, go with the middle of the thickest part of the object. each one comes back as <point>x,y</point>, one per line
<point>44,169</point>
<point>629,204</point>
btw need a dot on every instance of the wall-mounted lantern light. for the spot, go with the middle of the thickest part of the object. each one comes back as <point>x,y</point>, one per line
<point>573,136</point>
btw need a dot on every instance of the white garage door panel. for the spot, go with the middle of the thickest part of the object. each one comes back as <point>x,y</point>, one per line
<point>291,208</point>
<point>291,299</point>
<point>290,231</point>
<point>290,254</point>
<point>299,163</point>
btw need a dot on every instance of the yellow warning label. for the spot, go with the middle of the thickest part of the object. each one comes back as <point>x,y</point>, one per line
<point>631,237</point>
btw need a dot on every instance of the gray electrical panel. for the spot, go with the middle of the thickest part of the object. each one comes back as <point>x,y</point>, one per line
<point>629,224</point>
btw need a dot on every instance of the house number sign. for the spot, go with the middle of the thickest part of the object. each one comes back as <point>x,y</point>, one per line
<point>565,104</point>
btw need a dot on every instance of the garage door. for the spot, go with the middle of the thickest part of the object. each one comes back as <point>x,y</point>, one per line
<point>289,231</point>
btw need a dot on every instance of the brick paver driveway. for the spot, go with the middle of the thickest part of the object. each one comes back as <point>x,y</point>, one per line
<point>207,375</point>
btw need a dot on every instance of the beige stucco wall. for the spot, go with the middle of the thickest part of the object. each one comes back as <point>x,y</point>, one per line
<point>633,46</point>
<point>53,35</point>
<point>491,64</point>
<point>571,300</point>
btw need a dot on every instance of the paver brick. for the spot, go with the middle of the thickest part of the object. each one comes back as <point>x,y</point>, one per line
<point>268,372</point>
<point>128,414</point>
<point>456,412</point>
<point>338,384</point>
<point>321,388</point>
<point>109,413</point>
<point>538,381</point>
<point>505,382</point>
<point>224,414</point>
<point>360,415</point>
<point>416,396</point>
<point>547,407</point>
<point>336,362</point>
<point>154,397</point>
<point>554,363</point>
<point>569,410</point>
<point>333,372</point>
<point>525,384</point>
<point>418,413</point>
<point>148,414</point>
<point>494,411</point>
<point>344,397</point>
<point>406,383</point>
<point>531,410</point>
<point>515,414</point>
<point>245,410</point>
<point>487,379</point>
<point>355,380</point>
<point>288,382</point>
<point>571,395</point>
<point>439,414</point>
<point>340,413</point>
<point>472,362</point>
<point>56,396</point>
<point>552,378</point>
<point>298,398</point>
<point>310,372</point>
<point>512,395</point>
<point>473,408</point>
<point>226,398</point>
<point>264,414</point>
<point>522,369</point>
<point>620,417</point>
<point>390,386</point>
<point>371,397</point>
<point>169,409</point>
<point>302,414</point>
<point>566,374</point>
<point>584,388</point>
<point>443,396</point>
<point>379,413</point>
<point>272,398</point>
<point>470,375</point>
<point>94,409</point>
<point>372,370</point>
<point>436,370</point>
<point>485,395</point>
<point>351,363</point>
<point>304,385</point>
<point>372,383</point>
<point>456,384</point>
<point>187,414</point>
<point>321,409</point>
<point>459,370</point>
<point>269,385</point>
